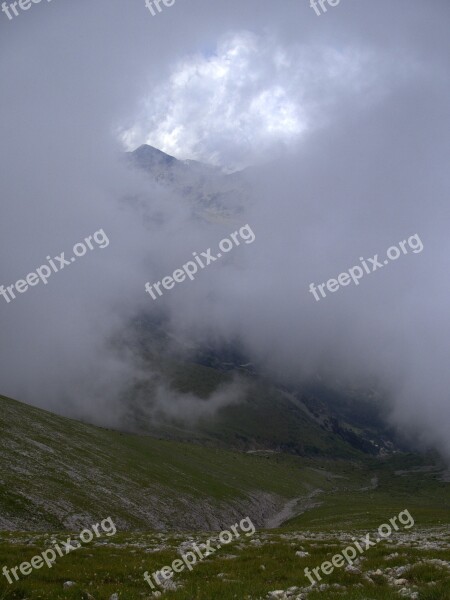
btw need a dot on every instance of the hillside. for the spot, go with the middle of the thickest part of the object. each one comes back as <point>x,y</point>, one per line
<point>56,472</point>
<point>59,473</point>
<point>308,420</point>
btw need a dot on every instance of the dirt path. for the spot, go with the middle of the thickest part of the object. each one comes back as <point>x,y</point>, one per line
<point>293,508</point>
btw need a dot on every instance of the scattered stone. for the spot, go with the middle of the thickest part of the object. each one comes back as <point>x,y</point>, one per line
<point>353,569</point>
<point>166,584</point>
<point>256,542</point>
<point>184,547</point>
<point>68,584</point>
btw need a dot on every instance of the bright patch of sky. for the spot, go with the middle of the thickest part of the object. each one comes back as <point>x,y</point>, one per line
<point>244,102</point>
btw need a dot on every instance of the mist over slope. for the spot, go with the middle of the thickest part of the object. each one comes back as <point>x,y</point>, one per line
<point>341,120</point>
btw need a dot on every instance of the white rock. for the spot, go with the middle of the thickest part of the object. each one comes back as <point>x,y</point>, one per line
<point>68,584</point>
<point>352,569</point>
<point>184,547</point>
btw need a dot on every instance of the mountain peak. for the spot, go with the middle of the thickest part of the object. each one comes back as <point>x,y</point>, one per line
<point>147,156</point>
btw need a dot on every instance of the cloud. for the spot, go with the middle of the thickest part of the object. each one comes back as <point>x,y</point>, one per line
<point>343,118</point>
<point>247,101</point>
<point>188,408</point>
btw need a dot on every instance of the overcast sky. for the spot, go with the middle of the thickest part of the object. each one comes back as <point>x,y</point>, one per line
<point>343,121</point>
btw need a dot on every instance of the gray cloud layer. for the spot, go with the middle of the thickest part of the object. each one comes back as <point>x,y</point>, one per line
<point>362,166</point>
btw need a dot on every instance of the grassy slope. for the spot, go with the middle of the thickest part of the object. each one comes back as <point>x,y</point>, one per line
<point>52,468</point>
